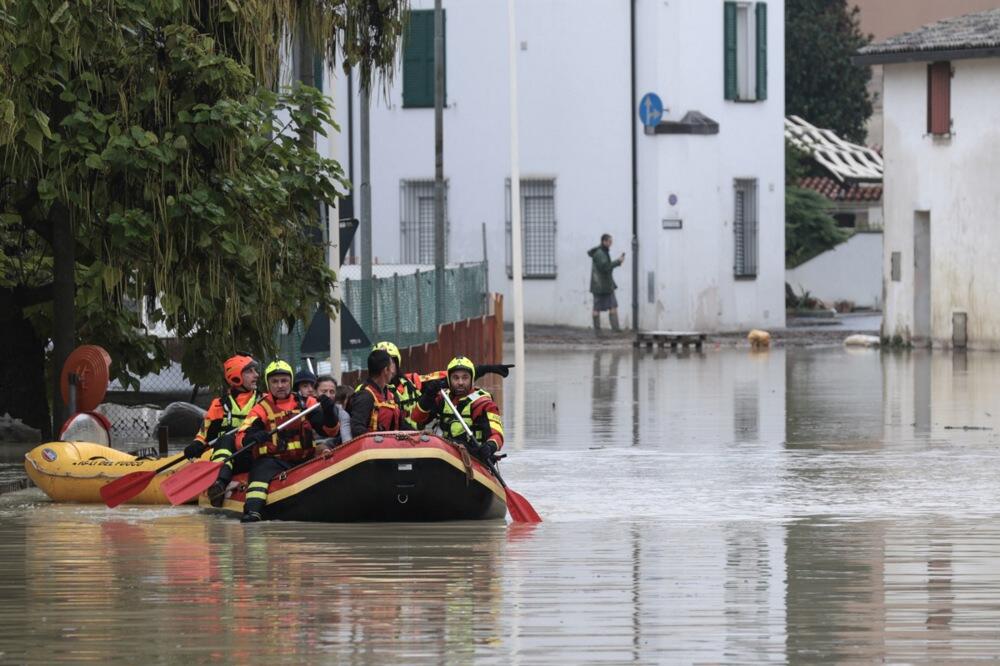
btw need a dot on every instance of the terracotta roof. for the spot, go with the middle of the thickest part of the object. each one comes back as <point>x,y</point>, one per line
<point>844,160</point>
<point>836,191</point>
<point>980,30</point>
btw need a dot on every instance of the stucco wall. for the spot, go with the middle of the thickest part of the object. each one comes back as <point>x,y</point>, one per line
<point>692,267</point>
<point>575,126</point>
<point>954,180</point>
<point>852,271</point>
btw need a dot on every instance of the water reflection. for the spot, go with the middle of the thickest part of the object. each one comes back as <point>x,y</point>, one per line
<point>798,505</point>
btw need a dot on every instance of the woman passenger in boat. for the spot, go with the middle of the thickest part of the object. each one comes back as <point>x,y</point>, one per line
<point>224,414</point>
<point>374,407</point>
<point>475,405</point>
<point>273,454</point>
<point>326,385</point>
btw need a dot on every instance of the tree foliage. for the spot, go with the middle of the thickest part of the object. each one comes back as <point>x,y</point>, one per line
<point>163,131</point>
<point>809,228</point>
<point>822,85</point>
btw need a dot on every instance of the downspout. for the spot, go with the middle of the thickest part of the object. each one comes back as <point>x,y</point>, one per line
<point>635,191</point>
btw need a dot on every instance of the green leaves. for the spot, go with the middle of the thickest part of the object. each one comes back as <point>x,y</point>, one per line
<point>158,126</point>
<point>822,85</point>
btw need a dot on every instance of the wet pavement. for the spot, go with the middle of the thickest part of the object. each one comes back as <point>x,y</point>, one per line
<point>797,505</point>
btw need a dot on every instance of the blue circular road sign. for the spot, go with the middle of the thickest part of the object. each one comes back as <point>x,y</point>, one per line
<point>650,109</point>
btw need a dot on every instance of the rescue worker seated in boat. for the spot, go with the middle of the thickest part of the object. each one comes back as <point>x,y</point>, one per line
<point>474,405</point>
<point>226,413</point>
<point>304,384</point>
<point>374,407</point>
<point>273,454</point>
<point>408,385</point>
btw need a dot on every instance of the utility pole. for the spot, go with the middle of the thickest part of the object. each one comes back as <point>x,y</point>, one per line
<point>517,260</point>
<point>367,318</point>
<point>439,238</point>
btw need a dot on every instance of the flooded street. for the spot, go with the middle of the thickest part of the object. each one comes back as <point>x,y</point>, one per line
<point>800,505</point>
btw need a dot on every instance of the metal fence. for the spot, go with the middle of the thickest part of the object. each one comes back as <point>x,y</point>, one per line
<point>403,305</point>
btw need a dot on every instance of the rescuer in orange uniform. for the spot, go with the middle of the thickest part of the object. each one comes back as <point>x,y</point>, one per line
<point>374,407</point>
<point>224,414</point>
<point>475,406</point>
<point>408,385</point>
<point>273,454</point>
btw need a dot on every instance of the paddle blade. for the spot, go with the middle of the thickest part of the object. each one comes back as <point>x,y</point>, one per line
<point>125,488</point>
<point>520,509</point>
<point>191,481</point>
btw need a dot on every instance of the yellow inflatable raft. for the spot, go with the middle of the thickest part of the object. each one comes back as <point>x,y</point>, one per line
<point>75,471</point>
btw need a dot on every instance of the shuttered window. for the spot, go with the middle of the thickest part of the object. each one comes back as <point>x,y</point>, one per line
<point>418,60</point>
<point>939,98</point>
<point>538,228</point>
<point>416,221</point>
<point>745,51</point>
<point>745,227</point>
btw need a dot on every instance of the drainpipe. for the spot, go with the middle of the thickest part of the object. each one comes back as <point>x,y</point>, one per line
<point>635,192</point>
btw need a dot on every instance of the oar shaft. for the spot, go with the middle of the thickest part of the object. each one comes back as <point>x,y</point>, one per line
<point>275,431</point>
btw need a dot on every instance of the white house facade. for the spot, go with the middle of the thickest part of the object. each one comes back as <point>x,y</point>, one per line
<point>709,184</point>
<point>941,200</point>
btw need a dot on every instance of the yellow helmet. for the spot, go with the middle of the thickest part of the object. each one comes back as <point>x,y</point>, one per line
<point>461,363</point>
<point>277,368</point>
<point>390,349</point>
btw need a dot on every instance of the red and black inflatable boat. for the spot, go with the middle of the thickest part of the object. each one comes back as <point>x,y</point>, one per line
<point>387,476</point>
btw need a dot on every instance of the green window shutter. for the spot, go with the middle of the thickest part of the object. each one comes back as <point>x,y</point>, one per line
<point>729,48</point>
<point>761,11</point>
<point>418,60</point>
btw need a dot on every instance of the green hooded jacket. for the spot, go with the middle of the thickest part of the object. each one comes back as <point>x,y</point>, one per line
<point>601,282</point>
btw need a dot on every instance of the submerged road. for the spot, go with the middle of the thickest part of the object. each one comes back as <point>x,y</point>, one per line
<point>799,505</point>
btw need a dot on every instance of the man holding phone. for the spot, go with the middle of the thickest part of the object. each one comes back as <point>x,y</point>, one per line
<point>602,284</point>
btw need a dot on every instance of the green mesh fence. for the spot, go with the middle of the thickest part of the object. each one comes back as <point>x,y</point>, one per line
<point>403,306</point>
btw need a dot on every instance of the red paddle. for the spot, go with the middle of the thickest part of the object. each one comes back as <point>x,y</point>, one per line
<point>520,508</point>
<point>126,487</point>
<point>195,479</point>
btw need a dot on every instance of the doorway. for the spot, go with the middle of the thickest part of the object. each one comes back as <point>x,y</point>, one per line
<point>922,277</point>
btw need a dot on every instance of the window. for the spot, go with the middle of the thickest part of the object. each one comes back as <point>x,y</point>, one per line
<point>538,228</point>
<point>745,227</point>
<point>416,221</point>
<point>418,61</point>
<point>939,98</point>
<point>745,51</point>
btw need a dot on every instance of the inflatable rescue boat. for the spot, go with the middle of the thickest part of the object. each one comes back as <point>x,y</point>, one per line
<point>388,476</point>
<point>76,471</point>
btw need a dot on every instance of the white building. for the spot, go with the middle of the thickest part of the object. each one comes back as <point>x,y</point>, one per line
<point>942,160</point>
<point>709,198</point>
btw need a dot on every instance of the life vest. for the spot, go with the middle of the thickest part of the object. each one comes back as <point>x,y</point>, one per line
<point>451,426</point>
<point>386,414</point>
<point>233,414</point>
<point>299,436</point>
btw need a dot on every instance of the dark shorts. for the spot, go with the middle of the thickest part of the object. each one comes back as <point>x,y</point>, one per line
<point>604,302</point>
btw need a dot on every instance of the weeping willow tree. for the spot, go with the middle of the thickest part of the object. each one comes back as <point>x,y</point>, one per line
<point>158,170</point>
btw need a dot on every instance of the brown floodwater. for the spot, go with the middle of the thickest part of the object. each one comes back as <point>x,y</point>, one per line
<point>796,506</point>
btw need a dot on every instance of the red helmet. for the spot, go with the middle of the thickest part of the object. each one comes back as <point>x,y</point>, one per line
<point>234,367</point>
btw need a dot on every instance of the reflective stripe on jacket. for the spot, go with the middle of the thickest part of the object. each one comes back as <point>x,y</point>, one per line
<point>298,438</point>
<point>478,409</point>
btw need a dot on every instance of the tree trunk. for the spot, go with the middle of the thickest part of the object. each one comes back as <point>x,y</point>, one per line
<point>63,304</point>
<point>22,373</point>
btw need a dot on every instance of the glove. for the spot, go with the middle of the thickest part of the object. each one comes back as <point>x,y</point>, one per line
<point>486,451</point>
<point>256,437</point>
<point>283,438</point>
<point>502,369</point>
<point>194,450</point>
<point>433,387</point>
<point>329,408</point>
